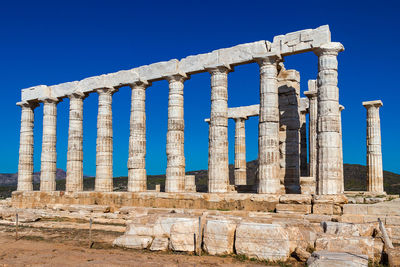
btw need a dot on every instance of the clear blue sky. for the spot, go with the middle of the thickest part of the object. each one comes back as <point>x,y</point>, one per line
<point>50,42</point>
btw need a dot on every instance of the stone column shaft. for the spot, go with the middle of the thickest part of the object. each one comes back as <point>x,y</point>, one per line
<point>312,126</point>
<point>289,129</point>
<point>341,108</point>
<point>137,177</point>
<point>25,163</point>
<point>268,128</point>
<point>240,152</point>
<point>74,179</point>
<point>374,149</point>
<point>175,174</point>
<point>104,142</point>
<point>49,154</point>
<point>218,157</point>
<point>328,126</point>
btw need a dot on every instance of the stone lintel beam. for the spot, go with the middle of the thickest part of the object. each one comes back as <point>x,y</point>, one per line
<point>291,43</point>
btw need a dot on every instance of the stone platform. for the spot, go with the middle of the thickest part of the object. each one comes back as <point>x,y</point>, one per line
<point>226,201</point>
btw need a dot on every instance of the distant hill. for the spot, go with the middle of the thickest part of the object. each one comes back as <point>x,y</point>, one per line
<point>354,179</point>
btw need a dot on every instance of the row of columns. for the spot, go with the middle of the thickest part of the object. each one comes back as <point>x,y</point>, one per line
<point>328,134</point>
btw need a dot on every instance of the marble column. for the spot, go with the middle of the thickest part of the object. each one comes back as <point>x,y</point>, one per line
<point>312,126</point>
<point>175,174</point>
<point>218,164</point>
<point>104,142</point>
<point>25,163</point>
<point>374,150</point>
<point>48,168</point>
<point>328,126</point>
<point>341,108</point>
<point>74,179</point>
<point>137,177</point>
<point>240,151</point>
<point>268,128</point>
<point>289,129</point>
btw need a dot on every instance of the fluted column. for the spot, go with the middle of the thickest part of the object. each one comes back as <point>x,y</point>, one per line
<point>374,150</point>
<point>175,174</point>
<point>240,151</point>
<point>268,128</point>
<point>341,108</point>
<point>25,163</point>
<point>137,177</point>
<point>48,166</point>
<point>218,164</point>
<point>328,126</point>
<point>74,179</point>
<point>104,142</point>
<point>312,126</point>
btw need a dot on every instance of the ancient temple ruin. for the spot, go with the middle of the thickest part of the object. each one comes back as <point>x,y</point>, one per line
<point>282,133</point>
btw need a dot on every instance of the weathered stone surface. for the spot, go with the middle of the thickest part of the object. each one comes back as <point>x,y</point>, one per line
<point>337,259</point>
<point>358,245</point>
<point>301,254</point>
<point>340,229</point>
<point>294,208</point>
<point>159,244</point>
<point>133,241</point>
<point>219,236</point>
<point>393,256</point>
<point>243,112</point>
<point>35,93</point>
<point>326,209</point>
<point>262,241</point>
<point>183,235</point>
<point>295,199</point>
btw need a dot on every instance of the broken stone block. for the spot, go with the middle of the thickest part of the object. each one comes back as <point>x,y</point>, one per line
<point>393,256</point>
<point>159,244</point>
<point>219,236</point>
<point>354,244</point>
<point>133,241</point>
<point>183,235</point>
<point>301,254</point>
<point>340,229</point>
<point>262,241</point>
<point>295,199</point>
<point>337,259</point>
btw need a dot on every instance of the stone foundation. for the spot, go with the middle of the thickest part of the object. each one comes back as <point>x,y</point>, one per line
<point>226,201</point>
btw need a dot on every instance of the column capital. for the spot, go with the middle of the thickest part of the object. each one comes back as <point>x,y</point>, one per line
<point>269,60</point>
<point>332,48</point>
<point>106,90</point>
<point>179,77</point>
<point>240,118</point>
<point>28,104</point>
<point>140,84</point>
<point>219,69</point>
<point>77,94</point>
<point>375,103</point>
<point>311,94</point>
<point>50,100</point>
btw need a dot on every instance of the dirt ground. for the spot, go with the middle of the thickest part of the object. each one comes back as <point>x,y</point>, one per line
<point>50,247</point>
